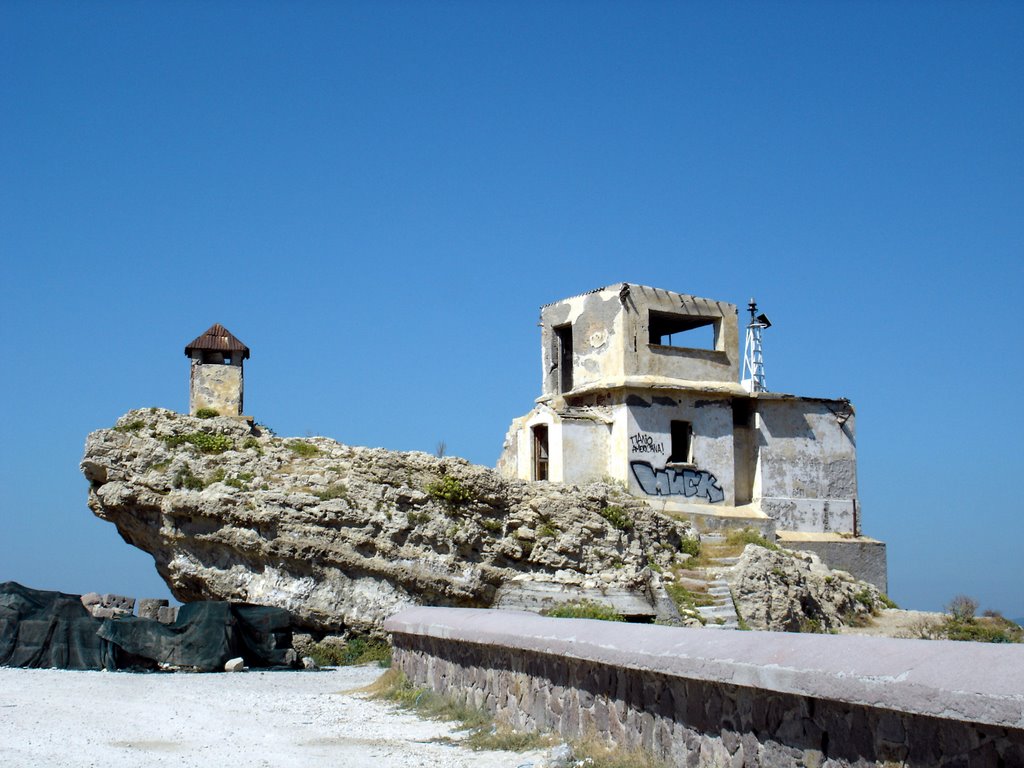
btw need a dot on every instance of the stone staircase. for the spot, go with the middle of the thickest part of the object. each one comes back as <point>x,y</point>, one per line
<point>722,613</point>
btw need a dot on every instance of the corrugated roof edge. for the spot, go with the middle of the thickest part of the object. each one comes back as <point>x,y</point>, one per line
<point>217,338</point>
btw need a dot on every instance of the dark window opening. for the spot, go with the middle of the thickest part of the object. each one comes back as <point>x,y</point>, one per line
<point>540,452</point>
<point>563,334</point>
<point>670,330</point>
<point>682,437</point>
<point>213,358</point>
<point>742,411</point>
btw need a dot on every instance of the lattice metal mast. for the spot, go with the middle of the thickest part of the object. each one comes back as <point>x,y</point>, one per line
<point>752,378</point>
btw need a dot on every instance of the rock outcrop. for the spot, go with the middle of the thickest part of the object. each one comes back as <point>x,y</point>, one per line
<point>343,536</point>
<point>786,591</point>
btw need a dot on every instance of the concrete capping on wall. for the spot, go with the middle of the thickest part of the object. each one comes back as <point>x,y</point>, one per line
<point>953,681</point>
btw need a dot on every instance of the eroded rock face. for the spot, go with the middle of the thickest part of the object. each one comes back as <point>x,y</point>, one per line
<point>795,592</point>
<point>343,536</point>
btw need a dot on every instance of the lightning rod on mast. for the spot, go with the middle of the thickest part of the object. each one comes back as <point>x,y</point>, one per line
<point>752,378</point>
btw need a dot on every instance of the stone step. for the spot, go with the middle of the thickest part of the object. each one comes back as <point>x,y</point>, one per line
<point>717,611</point>
<point>725,560</point>
<point>694,585</point>
<point>726,625</point>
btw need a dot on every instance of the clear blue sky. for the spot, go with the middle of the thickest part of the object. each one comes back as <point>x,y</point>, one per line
<point>377,197</point>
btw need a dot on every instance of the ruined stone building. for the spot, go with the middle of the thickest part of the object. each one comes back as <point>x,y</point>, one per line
<point>216,380</point>
<point>641,387</point>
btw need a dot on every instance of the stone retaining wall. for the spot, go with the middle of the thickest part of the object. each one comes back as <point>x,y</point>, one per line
<point>700,697</point>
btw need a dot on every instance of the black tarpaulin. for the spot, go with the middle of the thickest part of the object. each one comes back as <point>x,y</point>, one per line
<point>207,634</point>
<point>39,628</point>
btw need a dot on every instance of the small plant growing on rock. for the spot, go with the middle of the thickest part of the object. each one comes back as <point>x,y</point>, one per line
<point>450,491</point>
<point>184,478</point>
<point>204,442</point>
<point>617,516</point>
<point>584,609</point>
<point>746,536</point>
<point>335,491</point>
<point>253,444</point>
<point>299,448</point>
<point>207,413</point>
<point>491,525</point>
<point>690,547</point>
<point>131,426</point>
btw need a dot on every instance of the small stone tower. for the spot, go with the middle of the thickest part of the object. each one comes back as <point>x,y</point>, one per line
<point>216,377</point>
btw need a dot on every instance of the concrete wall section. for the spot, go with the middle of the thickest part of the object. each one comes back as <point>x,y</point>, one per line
<point>861,556</point>
<point>684,359</point>
<point>807,463</point>
<point>585,449</point>
<point>708,475</point>
<point>598,342</point>
<point>699,697</point>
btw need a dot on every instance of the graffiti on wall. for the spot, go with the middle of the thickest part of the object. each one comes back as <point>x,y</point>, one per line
<point>644,443</point>
<point>688,483</point>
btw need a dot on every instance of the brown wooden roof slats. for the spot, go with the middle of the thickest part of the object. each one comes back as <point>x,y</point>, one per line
<point>217,338</point>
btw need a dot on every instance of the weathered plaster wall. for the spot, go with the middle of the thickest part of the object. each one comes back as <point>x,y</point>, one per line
<point>585,450</point>
<point>806,476</point>
<point>699,697</point>
<point>597,337</point>
<point>216,386</point>
<point>708,477</point>
<point>643,358</point>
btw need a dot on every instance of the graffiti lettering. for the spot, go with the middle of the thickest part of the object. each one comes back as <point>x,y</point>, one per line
<point>644,443</point>
<point>688,483</point>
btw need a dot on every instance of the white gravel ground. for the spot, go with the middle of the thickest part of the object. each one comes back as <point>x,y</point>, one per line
<point>108,720</point>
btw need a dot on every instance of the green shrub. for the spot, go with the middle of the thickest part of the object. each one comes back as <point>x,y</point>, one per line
<point>885,600</point>
<point>417,517</point>
<point>690,547</point>
<point>450,491</point>
<point>746,536</point>
<point>253,444</point>
<point>207,413</point>
<point>131,426</point>
<point>991,630</point>
<point>584,609</point>
<point>336,491</point>
<point>491,525</point>
<point>865,598</point>
<point>184,478</point>
<point>685,599</point>
<point>204,442</point>
<point>617,516</point>
<point>299,448</point>
<point>358,650</point>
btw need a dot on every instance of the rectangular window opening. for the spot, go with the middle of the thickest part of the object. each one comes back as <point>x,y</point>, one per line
<point>682,439</point>
<point>540,452</point>
<point>742,411</point>
<point>563,335</point>
<point>683,331</point>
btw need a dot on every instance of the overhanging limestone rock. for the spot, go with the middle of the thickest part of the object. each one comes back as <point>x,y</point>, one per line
<point>343,536</point>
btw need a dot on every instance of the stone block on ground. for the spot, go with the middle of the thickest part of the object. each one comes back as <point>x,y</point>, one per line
<point>167,614</point>
<point>149,608</point>
<point>234,665</point>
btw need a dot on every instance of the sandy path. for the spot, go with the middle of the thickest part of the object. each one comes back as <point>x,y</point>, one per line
<point>59,718</point>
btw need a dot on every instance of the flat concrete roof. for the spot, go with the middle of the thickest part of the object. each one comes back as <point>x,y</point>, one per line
<point>974,682</point>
